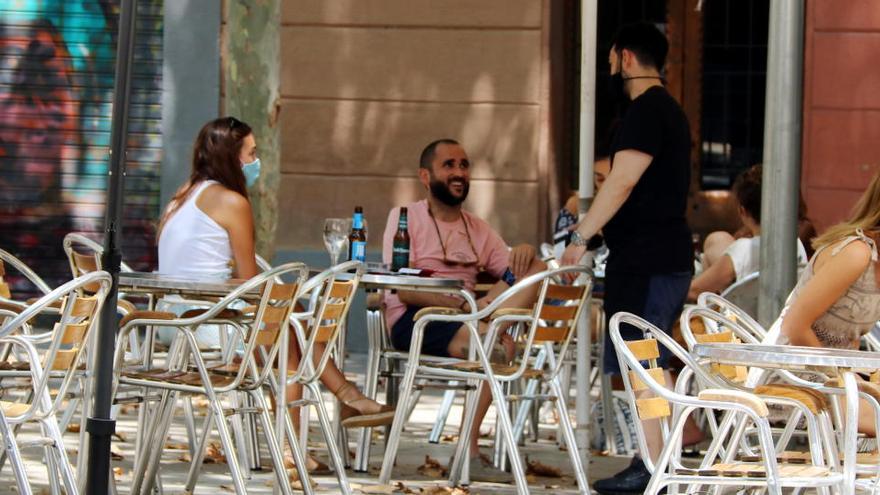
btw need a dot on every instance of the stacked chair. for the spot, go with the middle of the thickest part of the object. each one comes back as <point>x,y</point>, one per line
<point>258,333</point>
<point>47,364</point>
<point>729,461</point>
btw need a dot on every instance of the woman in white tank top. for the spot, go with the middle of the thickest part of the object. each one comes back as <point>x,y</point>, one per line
<point>207,231</point>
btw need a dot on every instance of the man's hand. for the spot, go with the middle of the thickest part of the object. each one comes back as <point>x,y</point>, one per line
<point>521,259</point>
<point>573,255</point>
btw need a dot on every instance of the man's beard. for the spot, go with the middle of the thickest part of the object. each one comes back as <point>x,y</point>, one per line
<point>440,190</point>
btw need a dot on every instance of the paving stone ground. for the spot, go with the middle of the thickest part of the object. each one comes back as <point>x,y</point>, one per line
<point>414,448</point>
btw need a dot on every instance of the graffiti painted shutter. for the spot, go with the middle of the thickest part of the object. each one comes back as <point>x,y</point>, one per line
<point>57,62</point>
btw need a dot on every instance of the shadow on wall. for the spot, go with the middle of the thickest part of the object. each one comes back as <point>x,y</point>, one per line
<point>364,91</point>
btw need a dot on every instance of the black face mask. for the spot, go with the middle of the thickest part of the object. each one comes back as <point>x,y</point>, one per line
<point>616,88</point>
<point>440,190</point>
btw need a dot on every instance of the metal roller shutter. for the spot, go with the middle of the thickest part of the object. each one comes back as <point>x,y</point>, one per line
<point>57,60</point>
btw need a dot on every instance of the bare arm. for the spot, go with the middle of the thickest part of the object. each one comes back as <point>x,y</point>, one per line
<point>715,279</point>
<point>423,299</point>
<point>236,217</point>
<point>629,165</point>
<point>833,276</point>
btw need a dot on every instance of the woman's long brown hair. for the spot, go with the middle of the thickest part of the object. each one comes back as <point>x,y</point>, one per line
<point>216,153</point>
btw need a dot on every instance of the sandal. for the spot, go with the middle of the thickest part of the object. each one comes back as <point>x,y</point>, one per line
<point>351,414</point>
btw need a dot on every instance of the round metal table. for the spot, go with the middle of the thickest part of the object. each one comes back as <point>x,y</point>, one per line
<point>797,358</point>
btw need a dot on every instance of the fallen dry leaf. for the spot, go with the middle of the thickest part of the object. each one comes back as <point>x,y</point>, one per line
<point>449,438</point>
<point>116,456</point>
<point>73,428</point>
<point>432,468</point>
<point>538,469</point>
<point>295,482</point>
<point>227,488</point>
<point>176,446</point>
<point>122,437</point>
<point>127,408</point>
<point>378,489</point>
<point>117,472</point>
<point>184,457</point>
<point>213,455</point>
<point>444,490</point>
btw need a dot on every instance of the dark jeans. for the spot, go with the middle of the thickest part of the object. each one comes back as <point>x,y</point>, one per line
<point>657,298</point>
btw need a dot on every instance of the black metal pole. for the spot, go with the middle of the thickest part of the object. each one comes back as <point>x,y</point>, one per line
<point>100,426</point>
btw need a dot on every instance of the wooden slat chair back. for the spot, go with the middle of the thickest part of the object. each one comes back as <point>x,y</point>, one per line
<point>62,353</point>
<point>716,328</point>
<point>330,300</point>
<point>557,312</point>
<point>733,313</point>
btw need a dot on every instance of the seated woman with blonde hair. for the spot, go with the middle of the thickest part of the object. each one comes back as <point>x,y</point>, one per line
<point>837,299</point>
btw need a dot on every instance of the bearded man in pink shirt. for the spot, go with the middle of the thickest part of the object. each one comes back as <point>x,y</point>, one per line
<point>453,243</point>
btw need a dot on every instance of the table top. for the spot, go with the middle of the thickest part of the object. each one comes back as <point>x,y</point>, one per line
<point>788,356</point>
<point>144,282</point>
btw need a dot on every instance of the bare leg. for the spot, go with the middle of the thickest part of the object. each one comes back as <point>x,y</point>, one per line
<point>714,246</point>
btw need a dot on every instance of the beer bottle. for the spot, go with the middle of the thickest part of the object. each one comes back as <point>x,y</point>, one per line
<point>357,239</point>
<point>400,250</point>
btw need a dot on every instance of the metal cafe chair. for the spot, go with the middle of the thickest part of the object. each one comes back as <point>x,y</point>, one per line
<point>47,364</point>
<point>321,324</point>
<point>6,299</point>
<point>554,335</point>
<point>189,371</point>
<point>804,401</point>
<point>649,396</point>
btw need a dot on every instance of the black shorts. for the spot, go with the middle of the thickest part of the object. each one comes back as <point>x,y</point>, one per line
<point>658,299</point>
<point>436,338</point>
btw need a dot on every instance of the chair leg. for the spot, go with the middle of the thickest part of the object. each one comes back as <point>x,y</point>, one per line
<point>256,396</point>
<point>198,456</point>
<point>457,472</point>
<point>297,449</point>
<point>371,384</point>
<point>62,463</point>
<point>147,463</point>
<point>392,438</point>
<point>501,410</point>
<point>327,427</point>
<point>225,435</point>
<point>190,424</point>
<point>12,452</point>
<point>442,415</point>
<point>568,434</point>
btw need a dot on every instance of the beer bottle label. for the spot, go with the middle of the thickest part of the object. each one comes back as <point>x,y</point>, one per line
<point>399,256</point>
<point>358,221</point>
<point>359,251</point>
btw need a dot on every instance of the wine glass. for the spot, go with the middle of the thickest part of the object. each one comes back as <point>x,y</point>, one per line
<point>335,235</point>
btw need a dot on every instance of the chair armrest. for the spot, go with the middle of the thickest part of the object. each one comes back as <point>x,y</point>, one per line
<point>868,388</point>
<point>512,312</point>
<point>126,306</point>
<point>146,315</point>
<point>812,399</point>
<point>746,399</point>
<point>436,310</point>
<point>223,314</point>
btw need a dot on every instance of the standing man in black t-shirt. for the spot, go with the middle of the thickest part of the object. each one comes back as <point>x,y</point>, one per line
<point>641,212</point>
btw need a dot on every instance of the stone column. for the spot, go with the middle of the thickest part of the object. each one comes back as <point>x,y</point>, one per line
<point>251,83</point>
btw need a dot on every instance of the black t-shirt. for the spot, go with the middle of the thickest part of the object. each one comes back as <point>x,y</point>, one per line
<point>649,234</point>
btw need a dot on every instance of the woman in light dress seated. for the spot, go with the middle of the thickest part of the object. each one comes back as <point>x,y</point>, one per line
<point>207,231</point>
<point>837,299</point>
<point>728,259</point>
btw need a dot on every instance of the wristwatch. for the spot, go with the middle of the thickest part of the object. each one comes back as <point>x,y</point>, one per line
<point>578,240</point>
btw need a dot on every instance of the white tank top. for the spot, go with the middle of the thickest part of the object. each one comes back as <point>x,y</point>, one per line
<point>193,244</point>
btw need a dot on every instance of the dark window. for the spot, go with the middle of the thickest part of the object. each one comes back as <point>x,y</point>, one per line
<point>734,79</point>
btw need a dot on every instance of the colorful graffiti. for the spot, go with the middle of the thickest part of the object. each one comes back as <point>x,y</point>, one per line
<point>57,61</point>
